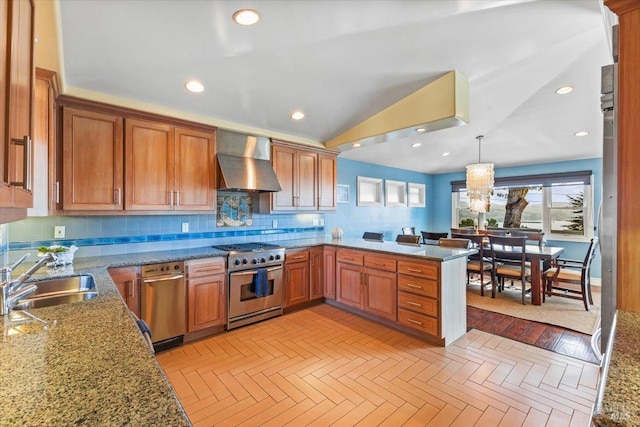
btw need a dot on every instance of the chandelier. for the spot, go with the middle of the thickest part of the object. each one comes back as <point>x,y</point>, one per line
<point>479,182</point>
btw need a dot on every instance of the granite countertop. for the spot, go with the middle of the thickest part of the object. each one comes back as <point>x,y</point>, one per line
<point>88,364</point>
<point>620,406</point>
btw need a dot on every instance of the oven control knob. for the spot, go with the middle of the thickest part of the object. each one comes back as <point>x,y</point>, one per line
<point>271,258</point>
<point>244,260</point>
<point>263,259</point>
<point>255,261</point>
<point>236,262</point>
<point>278,257</point>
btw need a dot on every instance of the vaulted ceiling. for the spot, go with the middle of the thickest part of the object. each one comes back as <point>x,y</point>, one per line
<point>341,61</point>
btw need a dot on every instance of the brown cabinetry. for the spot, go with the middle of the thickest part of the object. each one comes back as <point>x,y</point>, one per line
<point>168,168</point>
<point>418,295</point>
<point>16,101</point>
<point>206,296</point>
<point>316,265</point>
<point>329,268</point>
<point>127,280</point>
<point>296,277</point>
<point>307,177</point>
<point>367,281</point>
<point>93,155</point>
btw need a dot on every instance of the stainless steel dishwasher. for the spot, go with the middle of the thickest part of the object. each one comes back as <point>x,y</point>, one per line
<point>163,305</point>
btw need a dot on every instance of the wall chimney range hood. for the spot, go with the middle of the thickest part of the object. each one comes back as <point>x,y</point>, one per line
<point>244,163</point>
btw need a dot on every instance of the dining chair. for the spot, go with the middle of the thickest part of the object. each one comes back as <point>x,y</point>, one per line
<point>479,263</point>
<point>509,261</point>
<point>536,237</point>
<point>429,238</point>
<point>409,230</point>
<point>455,243</point>
<point>464,231</point>
<point>494,232</point>
<point>570,278</point>
<point>370,235</point>
<point>406,238</point>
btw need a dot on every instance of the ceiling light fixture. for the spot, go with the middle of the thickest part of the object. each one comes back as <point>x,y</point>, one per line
<point>445,154</point>
<point>356,144</point>
<point>582,133</point>
<point>421,130</point>
<point>246,17</point>
<point>297,115</point>
<point>416,144</point>
<point>479,182</point>
<point>564,90</point>
<point>194,86</point>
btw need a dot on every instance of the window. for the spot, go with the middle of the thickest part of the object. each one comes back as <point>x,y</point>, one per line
<point>561,205</point>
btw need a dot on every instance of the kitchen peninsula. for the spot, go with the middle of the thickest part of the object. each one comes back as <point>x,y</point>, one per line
<point>88,363</point>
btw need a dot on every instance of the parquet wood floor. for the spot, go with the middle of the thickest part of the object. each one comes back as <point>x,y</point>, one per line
<point>324,367</point>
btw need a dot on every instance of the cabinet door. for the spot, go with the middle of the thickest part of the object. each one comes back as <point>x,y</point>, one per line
<point>20,112</point>
<point>283,160</point>
<point>329,276</point>
<point>349,284</point>
<point>149,165</point>
<point>317,273</point>
<point>93,158</point>
<point>306,173</point>
<point>327,182</point>
<point>296,289</point>
<point>195,186</point>
<point>5,191</point>
<point>207,303</point>
<point>127,280</point>
<point>380,294</point>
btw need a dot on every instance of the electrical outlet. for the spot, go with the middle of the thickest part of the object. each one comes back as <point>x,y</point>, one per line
<point>185,227</point>
<point>316,222</point>
<point>322,222</point>
<point>274,223</point>
<point>59,231</point>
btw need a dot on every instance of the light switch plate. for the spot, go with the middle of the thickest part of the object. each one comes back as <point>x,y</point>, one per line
<point>59,232</point>
<point>185,227</point>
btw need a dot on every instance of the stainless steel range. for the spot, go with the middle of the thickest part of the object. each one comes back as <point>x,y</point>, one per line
<point>255,282</point>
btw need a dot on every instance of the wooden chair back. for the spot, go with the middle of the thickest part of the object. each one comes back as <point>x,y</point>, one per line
<point>370,235</point>
<point>429,238</point>
<point>464,231</point>
<point>406,238</point>
<point>455,243</point>
<point>409,230</point>
<point>535,237</point>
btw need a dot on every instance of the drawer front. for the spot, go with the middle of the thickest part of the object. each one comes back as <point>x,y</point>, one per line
<point>418,321</point>
<point>205,266</point>
<point>296,256</point>
<point>350,257</point>
<point>380,262</point>
<point>417,285</point>
<point>428,270</point>
<point>418,304</point>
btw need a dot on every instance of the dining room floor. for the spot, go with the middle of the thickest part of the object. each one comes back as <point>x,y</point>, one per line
<point>323,366</point>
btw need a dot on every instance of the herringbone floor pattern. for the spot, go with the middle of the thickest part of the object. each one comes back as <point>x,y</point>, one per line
<point>325,367</point>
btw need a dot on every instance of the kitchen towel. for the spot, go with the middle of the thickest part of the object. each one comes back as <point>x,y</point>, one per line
<point>262,282</point>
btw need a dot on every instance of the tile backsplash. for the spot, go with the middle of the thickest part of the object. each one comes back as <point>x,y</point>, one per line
<point>108,235</point>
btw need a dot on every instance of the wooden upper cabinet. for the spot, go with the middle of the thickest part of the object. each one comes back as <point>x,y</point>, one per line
<point>149,164</point>
<point>283,160</point>
<point>194,170</point>
<point>92,169</point>
<point>327,182</point>
<point>306,167</point>
<point>17,81</point>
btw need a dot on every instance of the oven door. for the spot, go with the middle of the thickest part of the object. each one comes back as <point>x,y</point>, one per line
<point>243,302</point>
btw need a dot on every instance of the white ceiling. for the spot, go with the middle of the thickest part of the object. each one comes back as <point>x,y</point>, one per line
<point>342,61</point>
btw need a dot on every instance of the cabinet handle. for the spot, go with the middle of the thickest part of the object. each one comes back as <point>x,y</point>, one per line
<point>411,285</point>
<point>118,196</point>
<point>26,162</point>
<point>414,321</point>
<point>297,257</point>
<point>177,198</point>
<point>56,192</point>
<point>170,198</point>
<point>348,259</point>
<point>131,288</point>
<point>415,304</point>
<point>414,270</point>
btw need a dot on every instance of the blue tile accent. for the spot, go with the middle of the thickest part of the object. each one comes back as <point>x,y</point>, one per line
<point>121,240</point>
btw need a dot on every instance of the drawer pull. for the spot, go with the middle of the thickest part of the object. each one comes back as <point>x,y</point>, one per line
<point>414,270</point>
<point>348,259</point>
<point>414,321</point>
<point>415,304</point>
<point>411,285</point>
<point>297,257</point>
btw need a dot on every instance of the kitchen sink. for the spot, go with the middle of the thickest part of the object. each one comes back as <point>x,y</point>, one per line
<point>57,291</point>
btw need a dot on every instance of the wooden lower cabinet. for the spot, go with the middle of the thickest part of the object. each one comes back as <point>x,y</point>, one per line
<point>349,284</point>
<point>127,280</point>
<point>380,294</point>
<point>419,296</point>
<point>316,266</point>
<point>297,277</point>
<point>206,293</point>
<point>329,275</point>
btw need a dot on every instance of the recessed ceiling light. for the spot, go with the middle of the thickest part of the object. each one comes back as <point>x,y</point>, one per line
<point>564,90</point>
<point>246,17</point>
<point>582,133</point>
<point>445,154</point>
<point>356,144</point>
<point>416,144</point>
<point>421,130</point>
<point>194,86</point>
<point>297,115</point>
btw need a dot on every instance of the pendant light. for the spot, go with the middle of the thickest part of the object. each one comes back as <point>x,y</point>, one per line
<point>479,182</point>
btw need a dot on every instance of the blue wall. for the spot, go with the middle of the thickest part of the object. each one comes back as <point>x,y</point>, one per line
<point>441,217</point>
<point>355,220</point>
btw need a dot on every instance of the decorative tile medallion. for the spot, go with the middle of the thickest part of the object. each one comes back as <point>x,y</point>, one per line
<point>234,211</point>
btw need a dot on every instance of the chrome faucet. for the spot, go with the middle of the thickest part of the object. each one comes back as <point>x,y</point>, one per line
<point>13,290</point>
<point>5,272</point>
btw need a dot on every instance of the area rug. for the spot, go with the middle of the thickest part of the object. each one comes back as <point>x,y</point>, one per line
<point>564,312</point>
